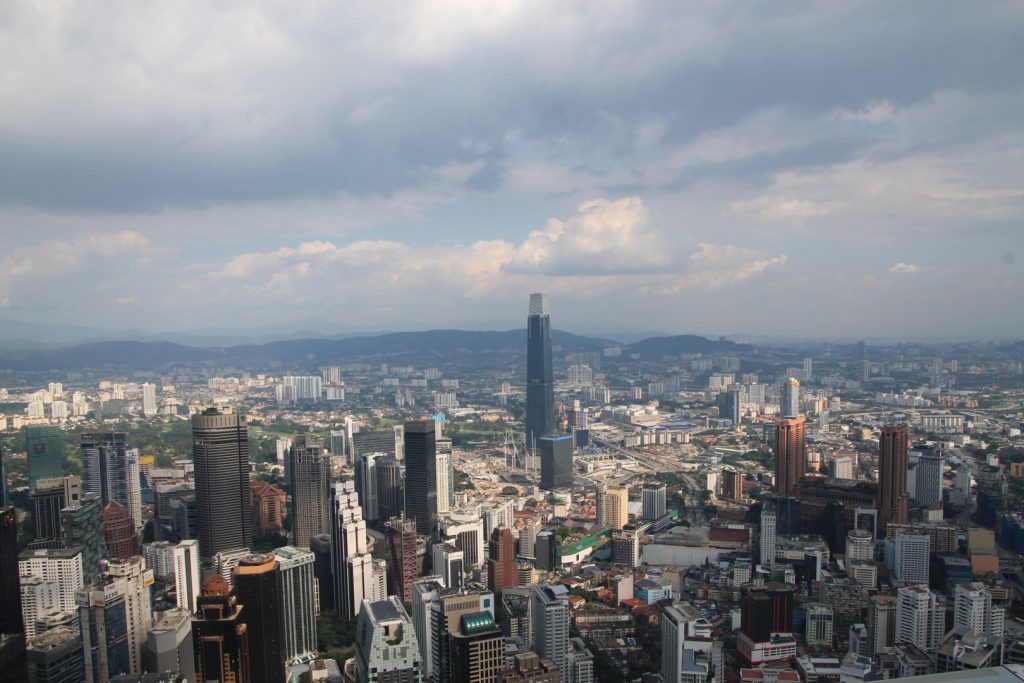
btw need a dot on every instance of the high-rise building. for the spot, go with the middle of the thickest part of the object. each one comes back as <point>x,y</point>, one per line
<point>892,475</point>
<point>790,454</point>
<point>403,566</point>
<point>385,442</point>
<point>975,612</point>
<point>732,484</point>
<point>178,563</point>
<point>169,645</point>
<point>654,501</point>
<point>61,568</point>
<point>135,582</point>
<point>501,565</point>
<point>366,483</point>
<point>818,624</point>
<point>111,470</point>
<point>920,617</point>
<point>83,528</point>
<point>580,662</point>
<point>613,507</point>
<point>267,508</point>
<point>924,477</point>
<point>298,614</point>
<point>256,586</point>
<point>10,591</point>
<point>220,635</point>
<point>477,649</point>
<point>220,453</point>
<point>352,565</point>
<point>626,547</point>
<point>320,545</point>
<point>56,657</point>
<point>444,481</point>
<point>103,616</point>
<point>387,645</point>
<point>119,533</point>
<point>683,630</point>
<point>390,488</point>
<point>908,557</point>
<point>421,475</point>
<point>551,625</point>
<point>437,614</point>
<point>48,499</point>
<point>547,551</point>
<point>527,667</point>
<point>149,399</point>
<point>556,467</point>
<point>448,562</point>
<point>310,472</point>
<point>540,383</point>
<point>39,600</point>
<point>881,624</point>
<point>769,526</point>
<point>790,403</point>
<point>729,406</point>
<point>43,446</point>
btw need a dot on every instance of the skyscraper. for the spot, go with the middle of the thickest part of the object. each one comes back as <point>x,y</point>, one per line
<point>501,566</point>
<point>654,501</point>
<point>83,528</point>
<point>257,589</point>
<point>366,483</point>
<point>310,488</point>
<point>48,499</point>
<point>444,481</point>
<point>320,545</point>
<point>790,403</point>
<point>220,635</point>
<point>975,612</point>
<point>390,488</point>
<point>421,475</point>
<point>892,476</point>
<point>298,611</point>
<point>220,453</point>
<point>790,454</point>
<point>540,383</point>
<point>352,565</point>
<point>477,648</point>
<point>134,582</point>
<point>555,461</point>
<point>169,645</point>
<point>403,566</point>
<point>729,405</point>
<point>111,470</point>
<point>768,537</point>
<point>103,616</point>
<point>613,506</point>
<point>43,445</point>
<point>119,533</point>
<point>924,477</point>
<point>10,591</point>
<point>148,399</point>
<point>920,617</point>
<point>387,646</point>
<point>550,610</point>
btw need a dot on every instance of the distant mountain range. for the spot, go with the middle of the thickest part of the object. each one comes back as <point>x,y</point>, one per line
<point>310,352</point>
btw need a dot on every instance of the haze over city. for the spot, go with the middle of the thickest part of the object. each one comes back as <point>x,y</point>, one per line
<point>674,167</point>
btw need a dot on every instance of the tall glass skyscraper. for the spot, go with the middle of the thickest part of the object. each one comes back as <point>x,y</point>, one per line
<point>43,445</point>
<point>421,475</point>
<point>540,383</point>
<point>220,451</point>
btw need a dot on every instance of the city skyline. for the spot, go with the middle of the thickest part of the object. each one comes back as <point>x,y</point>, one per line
<point>687,167</point>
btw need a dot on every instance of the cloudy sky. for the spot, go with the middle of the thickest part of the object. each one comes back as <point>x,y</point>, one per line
<point>811,169</point>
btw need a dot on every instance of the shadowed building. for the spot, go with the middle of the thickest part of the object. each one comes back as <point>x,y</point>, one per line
<point>258,590</point>
<point>555,461</point>
<point>421,475</point>
<point>119,534</point>
<point>790,454</point>
<point>220,636</point>
<point>403,566</point>
<point>892,475</point>
<point>502,567</point>
<point>540,383</point>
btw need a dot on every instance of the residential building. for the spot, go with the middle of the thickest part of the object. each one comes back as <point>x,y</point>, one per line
<point>550,611</point>
<point>920,618</point>
<point>310,470</point>
<point>612,507</point>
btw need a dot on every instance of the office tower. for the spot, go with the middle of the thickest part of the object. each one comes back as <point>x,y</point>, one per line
<point>881,624</point>
<point>256,587</point>
<point>48,499</point>
<point>683,629</point>
<point>732,484</point>
<point>527,543</point>
<point>540,382</point>
<point>448,563</point>
<point>551,625</point>
<point>103,616</point>
<point>477,649</point>
<point>859,545</point>
<point>513,613</point>
<point>465,534</point>
<point>501,567</point>
<point>135,583</point>
<point>320,546</point>
<point>729,406</point>
<point>337,444</point>
<point>3,480</point>
<point>267,508</point>
<point>626,547</point>
<point>385,442</point>
<point>220,635</point>
<point>43,446</point>
<point>56,657</point>
<point>60,567</point>
<point>220,453</point>
<point>527,667</point>
<point>555,461</point>
<point>310,484</point>
<point>10,590</point>
<point>920,617</point>
<point>297,589</point>
<point>866,518</point>
<point>924,477</point>
<point>390,488</point>
<point>547,551</point>
<point>111,470</point>
<point>119,534</point>
<point>352,567</point>
<point>169,645</point>
<point>819,624</point>
<point>654,501</point>
<point>366,483</point>
<point>83,528</point>
<point>790,454</point>
<point>444,481</point>
<point>767,537</point>
<point>790,403</point>
<point>974,611</point>
<point>403,567</point>
<point>148,399</point>
<point>421,475</point>
<point>908,557</point>
<point>166,494</point>
<point>178,563</point>
<point>387,646</point>
<point>439,612</point>
<point>613,506</point>
<point>892,475</point>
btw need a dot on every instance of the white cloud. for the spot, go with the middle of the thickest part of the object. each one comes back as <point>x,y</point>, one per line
<point>781,209</point>
<point>907,269</point>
